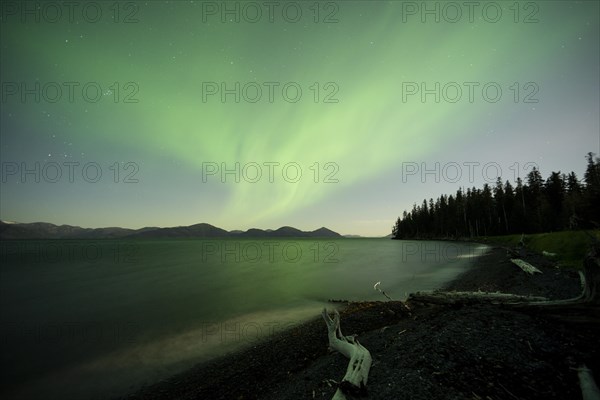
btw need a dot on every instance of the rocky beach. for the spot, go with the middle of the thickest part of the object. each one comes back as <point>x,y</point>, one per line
<point>476,351</point>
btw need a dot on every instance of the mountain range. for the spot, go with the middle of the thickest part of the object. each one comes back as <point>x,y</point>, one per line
<point>44,230</point>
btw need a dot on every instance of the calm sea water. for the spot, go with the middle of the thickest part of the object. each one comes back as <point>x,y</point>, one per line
<point>97,319</point>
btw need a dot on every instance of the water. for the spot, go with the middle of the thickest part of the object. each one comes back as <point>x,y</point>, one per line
<point>96,319</point>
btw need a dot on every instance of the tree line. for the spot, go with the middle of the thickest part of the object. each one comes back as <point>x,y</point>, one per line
<point>561,202</point>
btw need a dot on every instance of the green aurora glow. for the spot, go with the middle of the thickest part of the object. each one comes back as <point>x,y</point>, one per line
<point>369,133</point>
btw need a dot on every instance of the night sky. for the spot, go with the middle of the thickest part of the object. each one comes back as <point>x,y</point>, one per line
<point>136,93</point>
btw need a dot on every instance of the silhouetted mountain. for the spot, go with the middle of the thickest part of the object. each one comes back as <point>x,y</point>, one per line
<point>324,232</point>
<point>288,231</point>
<point>253,232</point>
<point>197,230</point>
<point>43,230</point>
<point>105,233</point>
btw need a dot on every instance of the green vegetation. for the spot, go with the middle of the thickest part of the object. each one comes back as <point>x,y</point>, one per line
<point>560,203</point>
<point>570,246</point>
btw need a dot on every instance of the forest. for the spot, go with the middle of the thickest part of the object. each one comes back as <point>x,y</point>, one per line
<point>561,202</point>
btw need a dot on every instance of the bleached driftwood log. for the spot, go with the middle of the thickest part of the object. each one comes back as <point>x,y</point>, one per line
<point>525,266</point>
<point>471,298</point>
<point>589,389</point>
<point>591,271</point>
<point>355,381</point>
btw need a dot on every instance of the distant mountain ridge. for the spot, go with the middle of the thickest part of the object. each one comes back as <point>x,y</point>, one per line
<point>44,230</point>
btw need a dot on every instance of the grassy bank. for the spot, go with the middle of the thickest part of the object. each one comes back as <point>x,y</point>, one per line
<point>570,246</point>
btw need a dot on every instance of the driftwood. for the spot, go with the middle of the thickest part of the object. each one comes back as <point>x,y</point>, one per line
<point>583,309</point>
<point>589,389</point>
<point>355,381</point>
<point>590,282</point>
<point>377,287</point>
<point>470,298</point>
<point>591,268</point>
<point>525,266</point>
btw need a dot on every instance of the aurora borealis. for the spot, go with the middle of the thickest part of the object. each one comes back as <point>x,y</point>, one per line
<point>360,121</point>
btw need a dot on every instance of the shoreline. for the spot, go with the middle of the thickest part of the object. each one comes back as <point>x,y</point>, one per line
<point>435,352</point>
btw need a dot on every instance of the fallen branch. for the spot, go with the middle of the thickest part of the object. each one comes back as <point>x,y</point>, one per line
<point>355,381</point>
<point>376,287</point>
<point>525,266</point>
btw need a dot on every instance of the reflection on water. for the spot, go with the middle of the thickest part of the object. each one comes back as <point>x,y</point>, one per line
<point>112,315</point>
